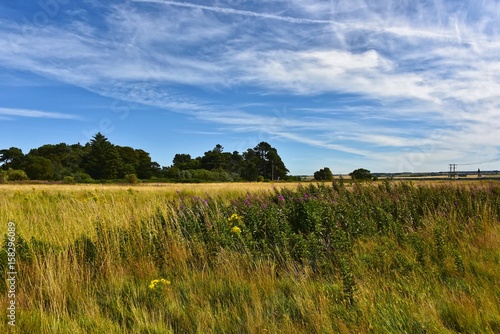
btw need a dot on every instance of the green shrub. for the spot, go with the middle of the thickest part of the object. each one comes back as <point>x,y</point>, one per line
<point>69,180</point>
<point>131,178</point>
<point>17,175</point>
<point>3,176</point>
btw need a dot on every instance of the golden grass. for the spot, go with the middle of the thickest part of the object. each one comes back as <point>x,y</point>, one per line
<point>222,289</point>
<point>191,188</point>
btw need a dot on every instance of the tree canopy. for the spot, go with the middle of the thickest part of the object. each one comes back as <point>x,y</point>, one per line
<point>216,165</point>
<point>324,174</point>
<point>99,159</point>
<point>361,174</point>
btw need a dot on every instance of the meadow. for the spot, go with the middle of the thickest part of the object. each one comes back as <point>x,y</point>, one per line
<point>378,257</point>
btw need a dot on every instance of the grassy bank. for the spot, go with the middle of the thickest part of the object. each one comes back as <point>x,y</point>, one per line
<point>382,258</point>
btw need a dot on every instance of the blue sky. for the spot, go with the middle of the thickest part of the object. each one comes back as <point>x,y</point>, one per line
<point>384,85</point>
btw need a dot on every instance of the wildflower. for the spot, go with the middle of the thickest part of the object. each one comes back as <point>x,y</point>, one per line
<point>247,202</point>
<point>157,284</point>
<point>236,230</point>
<point>281,198</point>
<point>235,218</point>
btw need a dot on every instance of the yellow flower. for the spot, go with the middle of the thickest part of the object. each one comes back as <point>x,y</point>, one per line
<point>162,283</point>
<point>236,230</point>
<point>234,218</point>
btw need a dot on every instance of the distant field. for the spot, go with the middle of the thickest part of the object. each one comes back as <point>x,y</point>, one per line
<point>378,257</point>
<point>461,178</point>
<point>198,188</point>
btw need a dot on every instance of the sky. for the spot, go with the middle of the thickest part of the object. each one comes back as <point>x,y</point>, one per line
<point>390,86</point>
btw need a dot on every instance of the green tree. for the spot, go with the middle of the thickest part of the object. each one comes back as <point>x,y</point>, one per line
<point>215,159</point>
<point>130,159</point>
<point>235,163</point>
<point>66,160</point>
<point>270,165</point>
<point>180,159</point>
<point>171,172</point>
<point>251,164</point>
<point>324,174</point>
<point>11,158</point>
<point>128,169</point>
<point>217,165</point>
<point>185,162</point>
<point>145,167</point>
<point>103,161</point>
<point>361,174</point>
<point>39,168</point>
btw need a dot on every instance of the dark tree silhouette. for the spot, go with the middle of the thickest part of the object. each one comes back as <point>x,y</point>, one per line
<point>103,161</point>
<point>324,174</point>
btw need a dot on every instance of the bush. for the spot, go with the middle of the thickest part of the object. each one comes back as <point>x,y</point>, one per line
<point>131,178</point>
<point>69,180</point>
<point>82,177</point>
<point>16,175</point>
<point>3,177</point>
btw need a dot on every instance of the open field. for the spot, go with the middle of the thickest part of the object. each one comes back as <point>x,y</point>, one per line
<point>383,257</point>
<point>192,188</point>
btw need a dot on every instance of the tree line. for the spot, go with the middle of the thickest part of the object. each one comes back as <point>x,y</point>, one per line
<point>255,164</point>
<point>100,160</point>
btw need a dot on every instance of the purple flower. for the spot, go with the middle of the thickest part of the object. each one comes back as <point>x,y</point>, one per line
<point>247,202</point>
<point>281,198</point>
<point>306,196</point>
<point>263,205</point>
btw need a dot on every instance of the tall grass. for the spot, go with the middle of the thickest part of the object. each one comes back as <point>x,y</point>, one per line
<point>382,258</point>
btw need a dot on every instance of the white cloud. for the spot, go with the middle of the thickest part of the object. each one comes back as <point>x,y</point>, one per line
<point>414,66</point>
<point>316,72</point>
<point>35,114</point>
<point>231,11</point>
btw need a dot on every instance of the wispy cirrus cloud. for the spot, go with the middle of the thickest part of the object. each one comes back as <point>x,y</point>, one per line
<point>10,113</point>
<point>231,11</point>
<point>414,69</point>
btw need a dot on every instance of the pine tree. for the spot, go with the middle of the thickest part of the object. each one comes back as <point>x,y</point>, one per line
<point>103,161</point>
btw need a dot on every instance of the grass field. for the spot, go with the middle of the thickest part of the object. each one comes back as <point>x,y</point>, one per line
<point>383,257</point>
